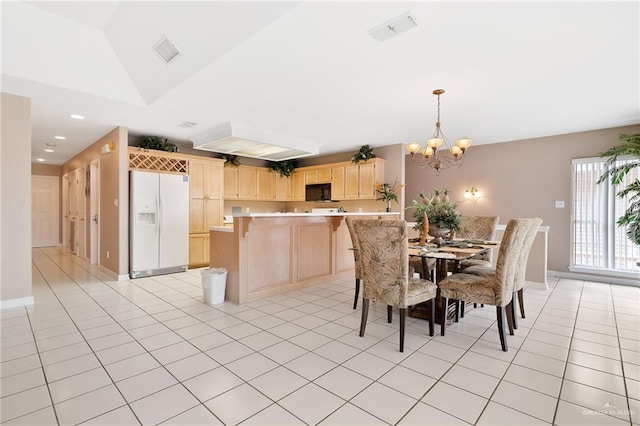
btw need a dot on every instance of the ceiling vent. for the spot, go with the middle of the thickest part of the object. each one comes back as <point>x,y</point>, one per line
<point>165,49</point>
<point>238,139</point>
<point>188,124</point>
<point>393,27</point>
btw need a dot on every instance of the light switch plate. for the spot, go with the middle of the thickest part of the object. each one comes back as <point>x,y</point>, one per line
<point>559,204</point>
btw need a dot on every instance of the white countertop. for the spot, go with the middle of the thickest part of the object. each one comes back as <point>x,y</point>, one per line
<point>229,227</point>
<point>315,214</point>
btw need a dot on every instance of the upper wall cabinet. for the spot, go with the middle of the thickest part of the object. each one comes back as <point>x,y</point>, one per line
<point>297,186</point>
<point>252,183</point>
<point>283,187</point>
<point>318,175</point>
<point>357,181</point>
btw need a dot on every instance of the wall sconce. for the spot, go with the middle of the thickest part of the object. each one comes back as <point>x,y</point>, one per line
<point>472,192</point>
<point>108,147</point>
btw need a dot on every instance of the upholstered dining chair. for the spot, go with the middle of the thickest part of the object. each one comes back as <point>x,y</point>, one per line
<point>386,278</point>
<point>478,228</point>
<point>493,289</point>
<point>475,228</point>
<point>518,288</point>
<point>356,255</point>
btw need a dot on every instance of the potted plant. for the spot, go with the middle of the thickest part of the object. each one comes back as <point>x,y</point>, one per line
<point>615,174</point>
<point>231,160</point>
<point>365,153</point>
<point>158,143</point>
<point>284,167</point>
<point>388,192</point>
<point>438,220</point>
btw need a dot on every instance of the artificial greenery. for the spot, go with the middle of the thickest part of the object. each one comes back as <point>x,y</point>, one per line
<point>388,192</point>
<point>443,214</point>
<point>284,167</point>
<point>158,143</point>
<point>231,160</point>
<point>365,153</point>
<point>615,175</point>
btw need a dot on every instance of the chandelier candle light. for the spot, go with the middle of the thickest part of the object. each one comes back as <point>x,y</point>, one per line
<point>430,156</point>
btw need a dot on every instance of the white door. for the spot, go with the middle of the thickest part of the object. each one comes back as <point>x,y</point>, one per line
<point>144,224</point>
<point>94,203</point>
<point>174,220</point>
<point>65,210</point>
<point>73,211</point>
<point>82,208</point>
<point>45,211</point>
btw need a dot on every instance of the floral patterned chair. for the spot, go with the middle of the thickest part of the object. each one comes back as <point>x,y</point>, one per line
<point>493,289</point>
<point>356,254</point>
<point>478,228</point>
<point>520,271</point>
<point>385,273</point>
<point>475,228</point>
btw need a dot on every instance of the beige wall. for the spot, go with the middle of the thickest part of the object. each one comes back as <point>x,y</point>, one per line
<point>521,179</point>
<point>114,185</point>
<point>15,196</point>
<point>38,169</point>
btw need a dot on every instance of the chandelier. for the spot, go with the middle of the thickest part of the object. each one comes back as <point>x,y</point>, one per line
<point>430,156</point>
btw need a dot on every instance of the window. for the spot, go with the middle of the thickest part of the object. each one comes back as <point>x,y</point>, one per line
<point>597,241</point>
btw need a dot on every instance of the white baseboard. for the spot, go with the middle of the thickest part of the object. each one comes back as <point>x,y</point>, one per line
<point>595,278</point>
<point>535,284</point>
<point>14,303</point>
<point>112,275</point>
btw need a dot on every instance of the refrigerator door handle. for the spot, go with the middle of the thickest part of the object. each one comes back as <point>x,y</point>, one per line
<point>159,213</point>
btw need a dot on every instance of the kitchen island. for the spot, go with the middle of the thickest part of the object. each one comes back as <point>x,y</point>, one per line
<point>267,254</point>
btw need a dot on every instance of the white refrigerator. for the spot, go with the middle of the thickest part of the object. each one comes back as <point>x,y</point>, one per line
<point>159,223</point>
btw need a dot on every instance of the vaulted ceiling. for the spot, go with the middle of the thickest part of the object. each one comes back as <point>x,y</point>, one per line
<point>309,71</point>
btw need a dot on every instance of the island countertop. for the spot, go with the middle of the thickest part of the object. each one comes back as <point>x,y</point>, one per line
<point>267,254</point>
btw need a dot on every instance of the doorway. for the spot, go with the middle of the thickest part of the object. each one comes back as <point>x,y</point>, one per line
<point>94,211</point>
<point>45,211</point>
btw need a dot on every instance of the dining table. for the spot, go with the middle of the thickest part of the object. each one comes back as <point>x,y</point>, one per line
<point>451,252</point>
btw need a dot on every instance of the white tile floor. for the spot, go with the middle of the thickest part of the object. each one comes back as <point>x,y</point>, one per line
<point>149,351</point>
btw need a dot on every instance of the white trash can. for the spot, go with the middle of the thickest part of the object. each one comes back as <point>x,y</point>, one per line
<point>214,283</point>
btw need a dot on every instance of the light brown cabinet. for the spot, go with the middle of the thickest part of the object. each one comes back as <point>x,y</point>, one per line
<point>198,250</point>
<point>337,183</point>
<point>317,175</point>
<point>284,187</point>
<point>247,183</point>
<point>230,183</point>
<point>250,183</point>
<point>266,185</point>
<point>297,183</point>
<point>356,181</point>
<point>351,181</point>
<point>205,206</point>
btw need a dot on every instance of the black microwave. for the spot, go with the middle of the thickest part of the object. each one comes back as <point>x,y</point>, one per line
<point>318,192</point>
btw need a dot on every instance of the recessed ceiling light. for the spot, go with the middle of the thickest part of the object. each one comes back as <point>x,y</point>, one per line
<point>60,137</point>
<point>48,150</point>
<point>77,116</point>
<point>52,144</point>
<point>40,159</point>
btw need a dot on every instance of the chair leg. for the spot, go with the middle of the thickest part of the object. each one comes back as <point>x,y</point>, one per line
<point>462,303</point>
<point>513,310</point>
<point>403,318</point>
<point>501,331</point>
<point>443,316</point>
<point>365,314</point>
<point>432,318</point>
<point>389,312</point>
<point>475,305</point>
<point>521,301</point>
<point>457,311</point>
<point>355,299</point>
<point>509,313</point>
